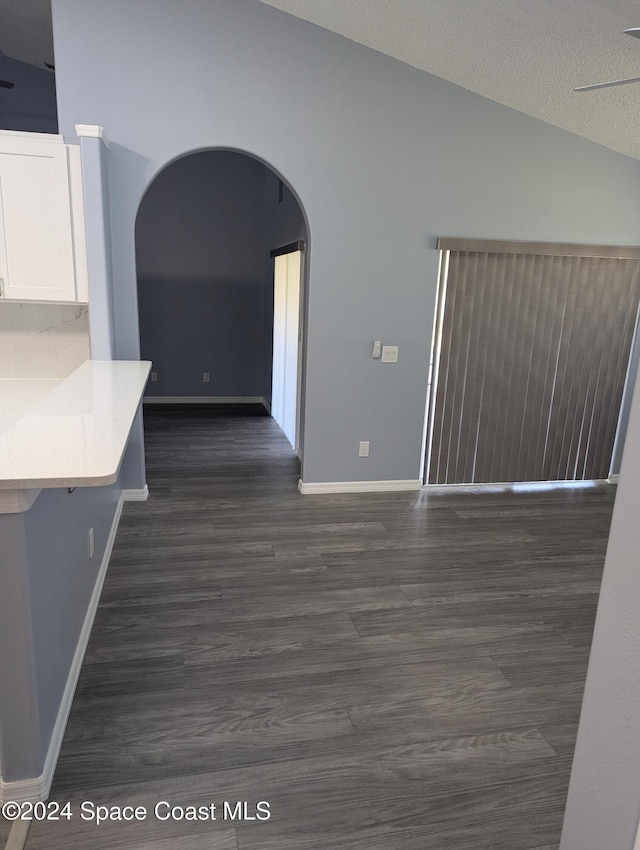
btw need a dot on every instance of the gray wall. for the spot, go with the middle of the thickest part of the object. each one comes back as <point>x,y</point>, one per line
<point>61,585</point>
<point>31,105</point>
<point>384,159</point>
<point>200,247</point>
<point>603,806</point>
<point>20,726</point>
<point>48,579</point>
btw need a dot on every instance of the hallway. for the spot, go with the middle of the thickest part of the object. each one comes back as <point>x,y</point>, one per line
<point>389,671</point>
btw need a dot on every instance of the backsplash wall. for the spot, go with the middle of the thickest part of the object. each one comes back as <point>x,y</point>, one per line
<point>42,340</point>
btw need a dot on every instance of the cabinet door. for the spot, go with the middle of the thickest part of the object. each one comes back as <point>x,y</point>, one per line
<point>36,247</point>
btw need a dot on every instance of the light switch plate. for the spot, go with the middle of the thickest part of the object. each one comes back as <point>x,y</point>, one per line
<point>389,353</point>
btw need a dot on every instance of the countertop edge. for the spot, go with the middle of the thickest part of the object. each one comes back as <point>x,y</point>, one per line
<point>84,393</point>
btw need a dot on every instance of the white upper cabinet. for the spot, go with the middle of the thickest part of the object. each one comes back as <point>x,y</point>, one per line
<point>42,246</point>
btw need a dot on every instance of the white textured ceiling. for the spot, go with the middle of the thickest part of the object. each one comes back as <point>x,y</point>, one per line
<point>25,31</point>
<point>526,54</point>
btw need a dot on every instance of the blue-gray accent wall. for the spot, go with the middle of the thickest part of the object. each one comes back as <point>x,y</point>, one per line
<point>30,106</point>
<point>201,244</point>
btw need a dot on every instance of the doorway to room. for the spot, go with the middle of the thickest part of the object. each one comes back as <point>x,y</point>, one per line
<point>207,236</point>
<point>287,339</point>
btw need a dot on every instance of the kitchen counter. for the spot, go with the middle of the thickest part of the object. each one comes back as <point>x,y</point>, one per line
<point>18,396</point>
<point>69,433</point>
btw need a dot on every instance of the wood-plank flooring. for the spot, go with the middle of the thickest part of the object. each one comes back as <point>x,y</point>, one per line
<point>391,671</point>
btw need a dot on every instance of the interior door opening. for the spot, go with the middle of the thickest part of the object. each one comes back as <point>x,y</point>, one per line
<point>287,340</point>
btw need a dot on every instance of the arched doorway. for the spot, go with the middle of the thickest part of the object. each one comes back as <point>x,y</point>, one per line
<point>207,230</point>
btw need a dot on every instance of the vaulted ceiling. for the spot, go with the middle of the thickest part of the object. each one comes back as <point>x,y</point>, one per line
<point>526,55</point>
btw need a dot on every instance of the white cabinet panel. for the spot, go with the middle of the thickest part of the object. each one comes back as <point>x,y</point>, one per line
<point>38,256</point>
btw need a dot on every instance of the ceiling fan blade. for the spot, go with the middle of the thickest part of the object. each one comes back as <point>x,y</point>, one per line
<point>607,85</point>
<point>635,32</point>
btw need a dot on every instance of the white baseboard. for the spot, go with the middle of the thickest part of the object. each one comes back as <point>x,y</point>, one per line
<point>140,495</point>
<point>359,486</point>
<point>38,788</point>
<point>613,478</point>
<point>25,790</point>
<point>203,399</point>
<point>267,405</point>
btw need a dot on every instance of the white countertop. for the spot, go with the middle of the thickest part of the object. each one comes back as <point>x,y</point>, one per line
<point>18,396</point>
<point>69,433</point>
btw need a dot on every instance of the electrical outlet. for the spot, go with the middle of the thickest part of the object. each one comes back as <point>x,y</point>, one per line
<point>90,543</point>
<point>154,377</point>
<point>389,354</point>
<point>206,377</point>
<point>363,449</point>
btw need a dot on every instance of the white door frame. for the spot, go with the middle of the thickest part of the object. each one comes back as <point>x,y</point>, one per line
<point>288,334</point>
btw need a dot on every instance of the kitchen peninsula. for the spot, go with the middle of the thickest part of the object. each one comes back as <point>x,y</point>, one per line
<point>59,438</point>
<point>74,436</point>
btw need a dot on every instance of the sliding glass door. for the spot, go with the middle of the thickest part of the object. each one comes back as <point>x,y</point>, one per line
<point>530,359</point>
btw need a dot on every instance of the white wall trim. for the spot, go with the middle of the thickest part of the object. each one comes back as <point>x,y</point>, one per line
<point>23,790</point>
<point>203,399</point>
<point>613,478</point>
<point>139,495</point>
<point>93,131</point>
<point>359,486</point>
<point>267,405</point>
<point>28,136</point>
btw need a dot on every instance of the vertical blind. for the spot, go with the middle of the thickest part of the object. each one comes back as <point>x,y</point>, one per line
<point>530,363</point>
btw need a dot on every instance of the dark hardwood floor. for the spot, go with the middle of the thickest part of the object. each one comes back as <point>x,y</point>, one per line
<point>391,671</point>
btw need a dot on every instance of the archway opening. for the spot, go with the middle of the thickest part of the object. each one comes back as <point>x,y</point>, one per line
<point>208,232</point>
